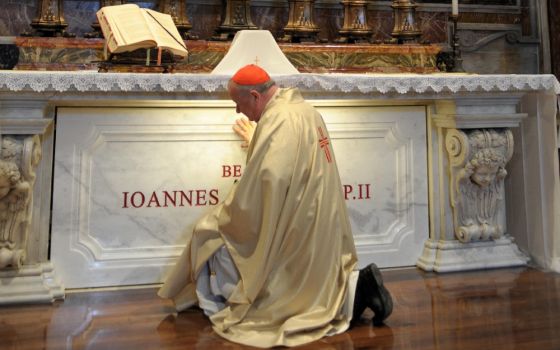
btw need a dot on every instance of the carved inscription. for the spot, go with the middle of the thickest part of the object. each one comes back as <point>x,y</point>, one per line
<point>357,192</point>
<point>166,199</point>
<point>207,197</point>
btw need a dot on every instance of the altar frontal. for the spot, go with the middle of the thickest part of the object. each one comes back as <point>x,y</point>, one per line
<point>131,182</point>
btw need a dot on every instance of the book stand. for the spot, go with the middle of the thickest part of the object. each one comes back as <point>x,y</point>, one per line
<point>152,60</point>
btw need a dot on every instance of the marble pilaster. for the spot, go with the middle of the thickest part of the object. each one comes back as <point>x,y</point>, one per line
<point>26,275</point>
<point>468,223</point>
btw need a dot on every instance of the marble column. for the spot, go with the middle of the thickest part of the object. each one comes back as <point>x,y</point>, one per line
<point>470,144</point>
<point>26,275</point>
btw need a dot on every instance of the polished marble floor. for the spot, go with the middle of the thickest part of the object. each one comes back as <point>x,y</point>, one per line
<point>513,308</point>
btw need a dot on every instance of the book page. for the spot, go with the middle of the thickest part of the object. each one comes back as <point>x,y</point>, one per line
<point>165,32</point>
<point>128,26</point>
<point>112,39</point>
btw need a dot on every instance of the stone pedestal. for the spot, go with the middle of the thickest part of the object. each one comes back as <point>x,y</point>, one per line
<point>471,144</point>
<point>451,256</point>
<point>31,283</point>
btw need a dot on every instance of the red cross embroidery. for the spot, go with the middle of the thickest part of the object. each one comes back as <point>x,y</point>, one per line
<point>324,144</point>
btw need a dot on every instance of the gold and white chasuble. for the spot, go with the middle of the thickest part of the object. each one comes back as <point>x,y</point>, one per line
<point>286,227</point>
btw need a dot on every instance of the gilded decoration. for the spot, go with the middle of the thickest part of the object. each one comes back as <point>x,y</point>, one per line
<point>301,25</point>
<point>96,27</point>
<point>355,27</point>
<point>236,16</point>
<point>77,54</point>
<point>477,162</point>
<point>177,9</point>
<point>50,19</point>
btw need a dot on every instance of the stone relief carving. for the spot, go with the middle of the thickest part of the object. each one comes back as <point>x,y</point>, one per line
<point>474,40</point>
<point>19,157</point>
<point>477,162</point>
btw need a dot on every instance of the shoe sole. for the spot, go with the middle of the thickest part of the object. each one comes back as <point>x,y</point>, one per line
<point>386,300</point>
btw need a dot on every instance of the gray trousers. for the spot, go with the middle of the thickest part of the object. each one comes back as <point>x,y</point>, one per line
<point>219,276</point>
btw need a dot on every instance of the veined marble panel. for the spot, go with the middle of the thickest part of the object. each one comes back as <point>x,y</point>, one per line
<point>129,182</point>
<point>381,152</point>
<point>79,54</point>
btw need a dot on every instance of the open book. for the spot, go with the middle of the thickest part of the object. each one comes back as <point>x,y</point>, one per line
<point>129,27</point>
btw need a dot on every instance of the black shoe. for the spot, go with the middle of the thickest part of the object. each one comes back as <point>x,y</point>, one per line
<point>370,292</point>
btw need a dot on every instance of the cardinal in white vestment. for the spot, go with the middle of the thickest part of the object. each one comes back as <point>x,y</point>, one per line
<point>274,264</point>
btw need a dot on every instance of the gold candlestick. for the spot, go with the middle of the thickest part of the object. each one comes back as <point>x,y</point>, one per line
<point>237,16</point>
<point>457,59</point>
<point>49,20</point>
<point>301,26</point>
<point>96,27</point>
<point>355,28</point>
<point>178,11</point>
<point>405,28</point>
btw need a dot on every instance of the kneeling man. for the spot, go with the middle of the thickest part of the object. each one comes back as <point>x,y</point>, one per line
<point>274,263</point>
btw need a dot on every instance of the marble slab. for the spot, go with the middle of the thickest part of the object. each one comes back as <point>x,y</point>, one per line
<point>129,182</point>
<point>80,53</point>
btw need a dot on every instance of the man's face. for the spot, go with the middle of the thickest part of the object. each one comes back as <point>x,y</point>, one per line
<point>245,102</point>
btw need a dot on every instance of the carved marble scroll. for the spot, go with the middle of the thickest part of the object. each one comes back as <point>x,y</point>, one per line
<point>19,157</point>
<point>477,162</point>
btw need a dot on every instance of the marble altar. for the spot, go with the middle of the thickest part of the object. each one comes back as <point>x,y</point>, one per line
<point>78,53</point>
<point>421,139</point>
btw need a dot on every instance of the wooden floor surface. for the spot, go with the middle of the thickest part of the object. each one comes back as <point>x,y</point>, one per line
<point>496,309</point>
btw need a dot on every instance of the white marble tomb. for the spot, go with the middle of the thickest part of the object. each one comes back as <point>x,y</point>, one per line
<point>129,183</point>
<point>448,172</point>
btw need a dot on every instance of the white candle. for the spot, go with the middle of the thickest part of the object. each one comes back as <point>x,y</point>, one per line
<point>455,7</point>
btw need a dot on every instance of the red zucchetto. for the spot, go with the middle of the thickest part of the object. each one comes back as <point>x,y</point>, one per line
<point>250,75</point>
